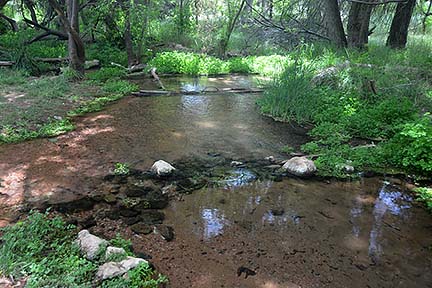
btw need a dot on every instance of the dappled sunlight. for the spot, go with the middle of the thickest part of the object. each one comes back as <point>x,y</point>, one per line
<point>12,96</point>
<point>95,130</point>
<point>100,117</point>
<point>178,134</point>
<point>12,185</point>
<point>207,124</point>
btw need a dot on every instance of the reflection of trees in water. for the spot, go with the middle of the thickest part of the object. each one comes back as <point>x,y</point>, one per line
<point>389,200</point>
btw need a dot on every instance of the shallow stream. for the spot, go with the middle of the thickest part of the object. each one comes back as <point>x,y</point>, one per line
<point>293,233</point>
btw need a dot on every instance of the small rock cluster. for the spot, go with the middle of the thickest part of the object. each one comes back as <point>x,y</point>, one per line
<point>90,245</point>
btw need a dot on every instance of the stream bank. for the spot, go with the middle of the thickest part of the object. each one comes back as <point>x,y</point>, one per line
<point>288,231</point>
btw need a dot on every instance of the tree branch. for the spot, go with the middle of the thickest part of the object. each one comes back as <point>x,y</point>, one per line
<point>11,22</point>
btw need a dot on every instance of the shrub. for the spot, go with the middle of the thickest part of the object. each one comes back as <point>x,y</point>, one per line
<point>411,148</point>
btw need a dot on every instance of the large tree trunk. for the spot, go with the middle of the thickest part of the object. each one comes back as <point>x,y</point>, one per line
<point>128,35</point>
<point>399,28</point>
<point>333,23</point>
<point>71,24</point>
<point>75,44</point>
<point>358,24</point>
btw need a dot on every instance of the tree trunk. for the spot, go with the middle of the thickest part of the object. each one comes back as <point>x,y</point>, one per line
<point>128,35</point>
<point>232,21</point>
<point>75,44</point>
<point>3,3</point>
<point>399,28</point>
<point>333,23</point>
<point>426,15</point>
<point>358,24</point>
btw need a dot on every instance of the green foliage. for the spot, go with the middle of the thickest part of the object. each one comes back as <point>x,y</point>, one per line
<point>289,96</point>
<point>201,64</point>
<point>121,168</point>
<point>425,195</point>
<point>120,242</point>
<point>9,134</point>
<point>346,108</point>
<point>43,249</point>
<point>411,148</point>
<point>107,73</point>
<point>14,47</point>
<point>106,53</point>
<point>144,276</point>
<point>287,149</point>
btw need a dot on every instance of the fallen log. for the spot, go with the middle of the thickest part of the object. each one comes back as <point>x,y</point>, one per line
<point>239,90</point>
<point>6,63</point>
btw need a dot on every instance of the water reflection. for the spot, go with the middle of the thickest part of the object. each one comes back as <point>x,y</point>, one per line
<point>213,221</point>
<point>389,200</point>
<point>239,177</point>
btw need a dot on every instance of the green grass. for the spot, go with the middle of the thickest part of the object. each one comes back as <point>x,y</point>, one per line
<point>42,249</point>
<point>43,107</point>
<point>345,109</point>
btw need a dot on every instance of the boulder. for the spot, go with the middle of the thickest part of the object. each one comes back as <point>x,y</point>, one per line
<point>167,232</point>
<point>112,269</point>
<point>113,251</point>
<point>162,168</point>
<point>138,188</point>
<point>300,166</point>
<point>141,228</point>
<point>89,244</point>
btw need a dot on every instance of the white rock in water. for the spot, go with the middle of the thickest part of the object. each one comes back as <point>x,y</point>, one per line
<point>300,166</point>
<point>236,163</point>
<point>162,167</point>
<point>113,269</point>
<point>114,250</point>
<point>89,244</point>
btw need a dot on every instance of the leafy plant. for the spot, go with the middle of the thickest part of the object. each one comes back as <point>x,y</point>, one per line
<point>121,168</point>
<point>425,195</point>
<point>42,249</point>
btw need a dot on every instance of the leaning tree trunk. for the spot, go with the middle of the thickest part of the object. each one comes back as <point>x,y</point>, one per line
<point>333,23</point>
<point>71,25</point>
<point>358,24</point>
<point>75,44</point>
<point>399,28</point>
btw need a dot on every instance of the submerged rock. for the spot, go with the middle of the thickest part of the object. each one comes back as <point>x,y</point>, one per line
<point>113,269</point>
<point>141,228</point>
<point>138,188</point>
<point>300,166</point>
<point>167,232</point>
<point>89,244</point>
<point>162,168</point>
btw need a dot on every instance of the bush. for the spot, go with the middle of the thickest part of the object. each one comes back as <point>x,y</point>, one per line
<point>411,148</point>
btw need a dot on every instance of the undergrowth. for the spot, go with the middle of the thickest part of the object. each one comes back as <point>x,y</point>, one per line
<point>42,249</point>
<point>202,64</point>
<point>379,102</point>
<point>35,108</point>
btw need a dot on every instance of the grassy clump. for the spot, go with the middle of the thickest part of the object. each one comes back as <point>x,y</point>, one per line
<point>42,249</point>
<point>201,64</point>
<point>373,99</point>
<point>425,195</point>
